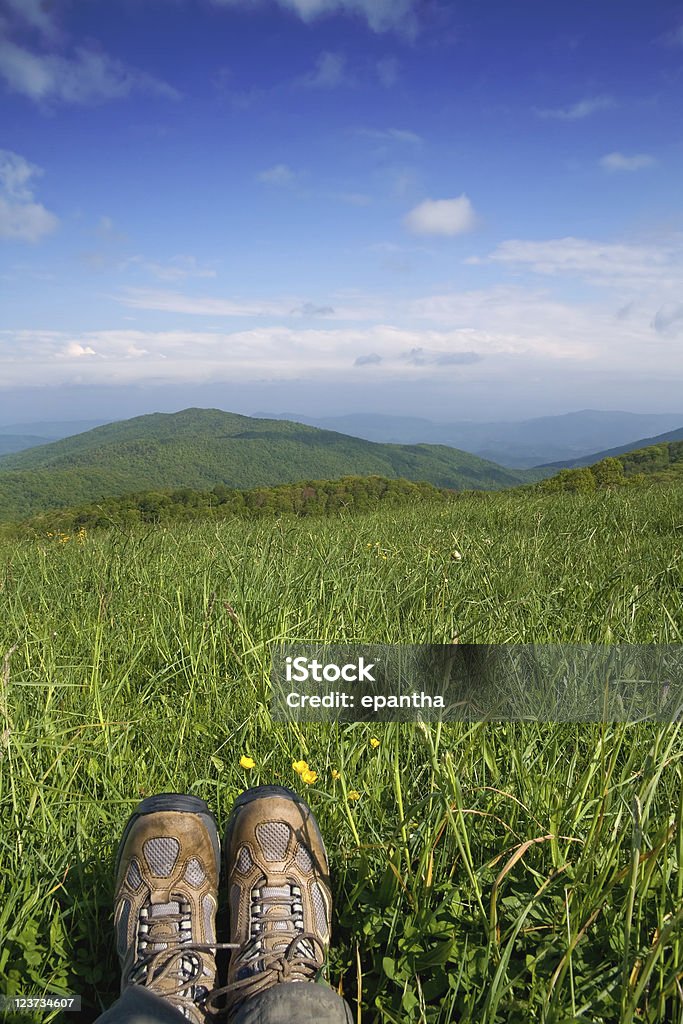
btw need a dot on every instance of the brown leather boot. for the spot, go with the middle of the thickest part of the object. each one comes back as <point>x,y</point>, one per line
<point>279,892</point>
<point>165,902</point>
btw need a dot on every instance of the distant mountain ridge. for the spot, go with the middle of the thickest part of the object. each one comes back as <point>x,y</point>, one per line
<point>199,448</point>
<point>548,440</point>
<point>644,442</point>
<point>518,445</point>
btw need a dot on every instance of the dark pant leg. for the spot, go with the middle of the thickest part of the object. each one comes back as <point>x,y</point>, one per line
<point>295,1002</point>
<point>138,1005</point>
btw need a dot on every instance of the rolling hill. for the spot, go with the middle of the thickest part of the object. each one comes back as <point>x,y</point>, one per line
<point>612,453</point>
<point>656,464</point>
<point>199,448</point>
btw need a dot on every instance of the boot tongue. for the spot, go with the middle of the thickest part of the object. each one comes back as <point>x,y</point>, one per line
<point>279,929</point>
<point>161,930</point>
<point>277,917</point>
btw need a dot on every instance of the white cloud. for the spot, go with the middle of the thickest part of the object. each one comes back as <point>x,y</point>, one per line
<point>381,15</point>
<point>132,355</point>
<point>85,78</point>
<point>330,71</point>
<point>619,162</point>
<point>21,217</point>
<point>584,108</point>
<point>279,174</point>
<point>442,217</point>
<point>496,337</point>
<point>74,350</point>
<point>638,267</point>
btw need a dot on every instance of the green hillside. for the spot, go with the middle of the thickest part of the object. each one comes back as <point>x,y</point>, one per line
<point>634,446</point>
<point>200,448</point>
<point>660,463</point>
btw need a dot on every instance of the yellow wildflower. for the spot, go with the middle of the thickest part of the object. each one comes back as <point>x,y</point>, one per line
<point>308,776</point>
<point>247,762</point>
<point>353,794</point>
<point>336,774</point>
<point>300,767</point>
<point>374,742</point>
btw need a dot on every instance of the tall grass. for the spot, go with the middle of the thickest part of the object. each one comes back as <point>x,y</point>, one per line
<point>486,872</point>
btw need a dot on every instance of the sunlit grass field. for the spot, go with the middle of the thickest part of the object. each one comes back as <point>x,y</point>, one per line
<point>482,872</point>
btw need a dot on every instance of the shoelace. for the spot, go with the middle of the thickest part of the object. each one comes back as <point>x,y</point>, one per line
<point>295,960</point>
<point>283,965</point>
<point>172,954</point>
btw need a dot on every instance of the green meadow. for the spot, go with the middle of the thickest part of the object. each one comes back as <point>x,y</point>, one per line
<point>482,872</point>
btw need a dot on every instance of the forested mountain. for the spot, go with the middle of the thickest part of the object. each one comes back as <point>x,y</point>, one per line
<point>660,463</point>
<point>643,443</point>
<point>199,448</point>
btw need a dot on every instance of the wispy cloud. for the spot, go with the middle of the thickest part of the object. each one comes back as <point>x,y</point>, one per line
<point>380,15</point>
<point>329,72</point>
<point>422,357</point>
<point>21,217</point>
<point>278,174</point>
<point>36,13</point>
<point>619,162</point>
<point>128,355</point>
<point>178,268</point>
<point>213,306</point>
<point>176,302</point>
<point>86,77</point>
<point>632,266</point>
<point>577,111</point>
<point>442,217</point>
<point>391,135</point>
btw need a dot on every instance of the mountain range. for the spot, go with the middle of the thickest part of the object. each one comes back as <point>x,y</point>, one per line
<point>555,440</point>
<point>517,445</point>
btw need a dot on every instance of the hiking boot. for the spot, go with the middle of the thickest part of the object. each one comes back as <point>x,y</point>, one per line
<point>279,893</point>
<point>165,901</point>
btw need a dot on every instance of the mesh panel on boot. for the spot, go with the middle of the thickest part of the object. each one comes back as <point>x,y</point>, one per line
<point>320,910</point>
<point>303,859</point>
<point>134,878</point>
<point>273,837</point>
<point>161,855</point>
<point>209,911</point>
<point>244,861</point>
<point>194,872</point>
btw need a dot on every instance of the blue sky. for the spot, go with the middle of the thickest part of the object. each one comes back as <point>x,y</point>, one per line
<point>448,209</point>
